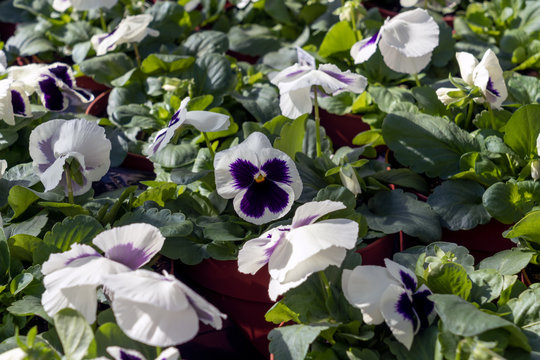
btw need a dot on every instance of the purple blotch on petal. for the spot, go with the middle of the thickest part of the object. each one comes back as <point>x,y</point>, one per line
<point>128,255</point>
<point>405,308</point>
<point>261,196</point>
<point>408,281</point>
<point>175,118</point>
<point>372,40</point>
<point>125,356</point>
<point>491,89</point>
<point>81,256</point>
<point>46,148</point>
<point>297,72</point>
<point>423,307</point>
<point>341,77</point>
<point>61,72</point>
<point>277,170</point>
<point>305,221</point>
<point>53,98</point>
<point>243,172</point>
<point>18,103</point>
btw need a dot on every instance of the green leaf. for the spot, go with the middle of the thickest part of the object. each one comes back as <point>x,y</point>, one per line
<point>527,228</point>
<point>337,193</point>
<point>22,246</point>
<point>507,262</point>
<point>173,156</point>
<point>340,38</point>
<point>392,99</point>
<point>80,229</point>
<point>168,223</point>
<point>487,285</point>
<point>292,342</point>
<point>20,282</point>
<point>184,176</point>
<point>20,198</point>
<point>526,310</point>
<point>74,332</point>
<point>221,228</point>
<point>277,10</point>
<point>260,100</point>
<point>428,100</point>
<point>463,318</point>
<point>281,313</point>
<point>212,74</point>
<point>522,130</point>
<point>65,208</point>
<point>28,306</point>
<point>208,41</point>
<point>158,194</point>
<point>432,144</point>
<point>449,278</point>
<point>252,39</point>
<point>104,69</point>
<point>292,136</point>
<point>167,19</point>
<point>156,64</point>
<point>5,258</point>
<point>403,178</point>
<point>394,211</point>
<point>509,202</point>
<point>459,204</point>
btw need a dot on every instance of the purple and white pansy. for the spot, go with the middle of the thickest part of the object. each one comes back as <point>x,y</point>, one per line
<point>406,42</point>
<point>71,278</point>
<point>119,353</point>
<point>59,142</point>
<point>158,310</point>
<point>262,181</point>
<point>295,84</point>
<point>204,121</point>
<point>13,102</point>
<point>294,252</point>
<point>132,29</point>
<point>486,75</point>
<point>82,5</point>
<point>390,294</point>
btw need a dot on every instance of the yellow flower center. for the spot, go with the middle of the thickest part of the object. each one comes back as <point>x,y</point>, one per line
<point>259,178</point>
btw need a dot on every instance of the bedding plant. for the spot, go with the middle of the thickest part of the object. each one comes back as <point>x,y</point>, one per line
<point>245,174</point>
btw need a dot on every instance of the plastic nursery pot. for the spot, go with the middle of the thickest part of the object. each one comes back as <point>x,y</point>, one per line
<point>243,297</point>
<point>7,30</point>
<point>86,82</point>
<point>342,128</point>
<point>377,251</point>
<point>98,107</point>
<point>243,57</point>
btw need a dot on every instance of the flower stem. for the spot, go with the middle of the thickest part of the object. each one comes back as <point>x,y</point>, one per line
<point>353,24</point>
<point>417,80</point>
<point>68,183</point>
<point>491,116</point>
<point>102,18</point>
<point>469,114</point>
<point>209,145</point>
<point>137,55</point>
<point>317,123</point>
<point>325,285</point>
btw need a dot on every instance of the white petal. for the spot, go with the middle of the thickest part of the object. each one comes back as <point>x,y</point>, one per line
<point>27,112</point>
<point>169,354</point>
<point>494,88</point>
<point>312,211</point>
<point>364,49</point>
<point>59,261</point>
<point>350,81</point>
<point>290,74</point>
<point>442,94</point>
<point>119,353</point>
<point>363,287</point>
<point>467,63</point>
<point>14,354</point>
<point>275,288</point>
<point>226,185</point>
<point>207,121</point>
<point>83,298</point>
<point>401,325</point>
<point>254,142</point>
<point>42,140</point>
<point>27,76</point>
<point>402,274</point>
<point>255,253</point>
<point>397,61</point>
<point>132,245</point>
<point>3,62</point>
<point>6,107</point>
<point>52,176</point>
<point>3,167</point>
<point>294,103</point>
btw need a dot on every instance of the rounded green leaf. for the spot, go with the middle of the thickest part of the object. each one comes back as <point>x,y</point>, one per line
<point>522,130</point>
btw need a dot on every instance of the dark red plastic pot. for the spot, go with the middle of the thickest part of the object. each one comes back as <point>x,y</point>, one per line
<point>342,128</point>
<point>243,297</point>
<point>7,30</point>
<point>86,82</point>
<point>243,57</point>
<point>98,107</point>
<point>377,251</point>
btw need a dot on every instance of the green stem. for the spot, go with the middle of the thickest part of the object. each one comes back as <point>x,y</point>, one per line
<point>417,80</point>
<point>158,351</point>
<point>325,285</point>
<point>102,18</point>
<point>137,55</point>
<point>469,114</point>
<point>209,145</point>
<point>491,115</point>
<point>317,123</point>
<point>353,24</point>
<point>69,184</point>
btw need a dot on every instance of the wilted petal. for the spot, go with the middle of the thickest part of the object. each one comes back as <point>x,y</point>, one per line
<point>363,287</point>
<point>132,245</point>
<point>364,49</point>
<point>310,212</point>
<point>467,63</point>
<point>399,315</point>
<point>350,180</point>
<point>207,121</point>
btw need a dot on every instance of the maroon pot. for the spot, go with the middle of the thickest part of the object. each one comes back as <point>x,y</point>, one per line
<point>86,82</point>
<point>98,107</point>
<point>342,128</point>
<point>7,30</point>
<point>377,251</point>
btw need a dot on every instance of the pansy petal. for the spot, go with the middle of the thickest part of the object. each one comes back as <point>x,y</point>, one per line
<point>425,308</point>
<point>3,62</point>
<point>61,5</point>
<point>62,72</point>
<point>279,167</point>
<point>169,353</point>
<point>263,202</point>
<point>27,76</point>
<point>399,315</point>
<point>276,288</point>
<point>59,261</point>
<point>207,121</point>
<point>352,82</point>
<point>132,245</point>
<point>310,212</point>
<point>119,353</point>
<point>3,168</point>
<point>467,63</point>
<point>255,253</point>
<point>158,143</point>
<point>396,61</point>
<point>290,74</point>
<point>295,103</point>
<point>20,102</point>
<point>50,94</point>
<point>364,49</point>
<point>42,140</point>
<point>235,172</point>
<point>442,94</point>
<point>6,106</point>
<point>363,287</point>
<point>83,298</point>
<point>402,274</point>
<point>14,354</point>
<point>52,175</point>
<point>488,76</point>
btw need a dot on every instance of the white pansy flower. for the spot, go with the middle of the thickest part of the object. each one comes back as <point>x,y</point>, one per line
<point>72,277</point>
<point>487,75</point>
<point>389,294</point>
<point>294,252</point>
<point>82,5</point>
<point>13,102</point>
<point>132,29</point>
<point>205,121</point>
<point>158,310</point>
<point>406,42</point>
<point>295,86</point>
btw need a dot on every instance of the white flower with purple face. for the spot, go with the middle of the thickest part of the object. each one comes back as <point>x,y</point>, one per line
<point>132,29</point>
<point>406,42</point>
<point>294,252</point>
<point>204,121</point>
<point>389,295</point>
<point>82,5</point>
<point>71,278</point>
<point>13,102</point>
<point>158,310</point>
<point>263,181</point>
<point>486,75</point>
<point>58,143</point>
<point>119,353</point>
